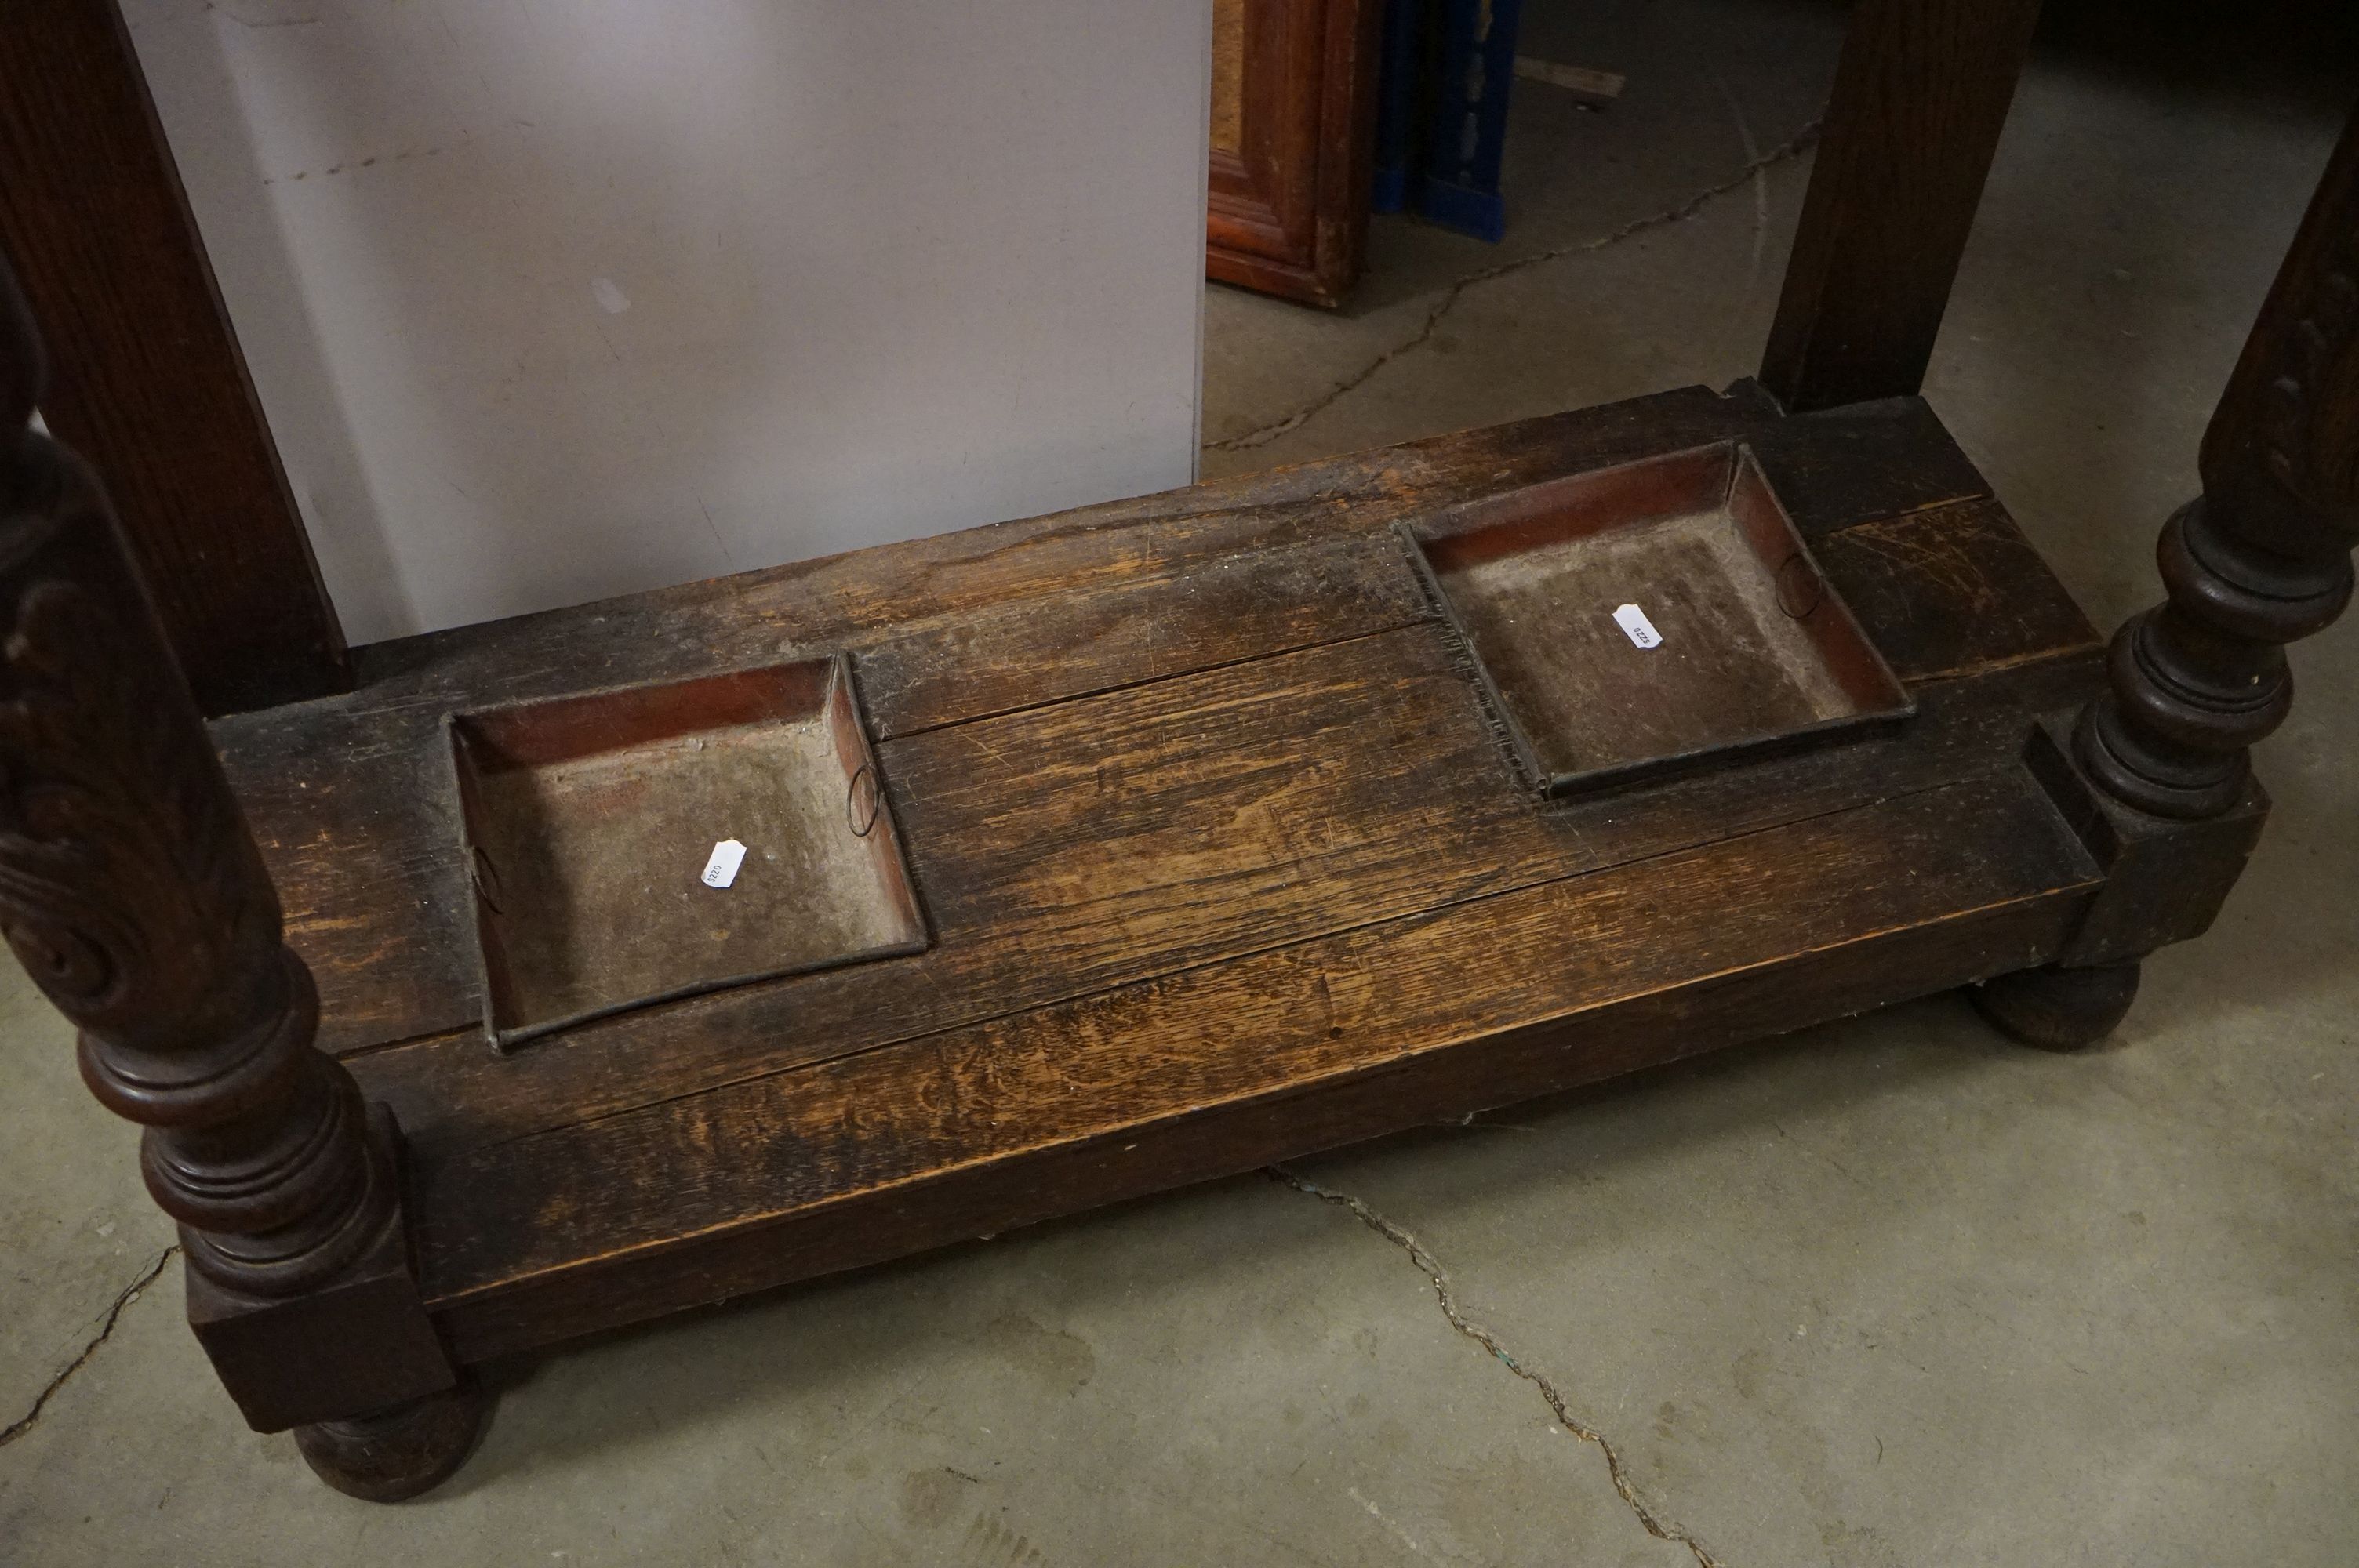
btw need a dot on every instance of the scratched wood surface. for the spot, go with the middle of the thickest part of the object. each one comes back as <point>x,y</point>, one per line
<point>1221,860</point>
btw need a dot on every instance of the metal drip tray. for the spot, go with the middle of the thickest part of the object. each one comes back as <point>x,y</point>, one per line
<point>590,819</point>
<point>1657,616</point>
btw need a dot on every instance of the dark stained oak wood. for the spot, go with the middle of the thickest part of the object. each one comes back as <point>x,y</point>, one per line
<point>1920,93</point>
<point>1221,862</point>
<point>2166,879</point>
<point>2263,556</point>
<point>132,893</point>
<point>1473,1074</point>
<point>354,785</point>
<point>149,383</point>
<point>354,791</point>
<point>1159,765</point>
<point>451,1092</point>
<point>1238,608</point>
<point>1861,463</point>
<point>1220,856</point>
<point>2000,606</point>
<point>1242,736</point>
<point>1950,883</point>
<point>2056,1007</point>
<point>1293,144</point>
<point>395,1454</point>
<point>2157,774</point>
<point>1211,832</point>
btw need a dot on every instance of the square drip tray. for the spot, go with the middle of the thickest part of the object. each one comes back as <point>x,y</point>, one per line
<point>589,821</point>
<point>1737,643</point>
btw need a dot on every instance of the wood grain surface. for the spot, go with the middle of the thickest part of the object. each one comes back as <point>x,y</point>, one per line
<point>351,795</point>
<point>1985,871</point>
<point>1220,854</point>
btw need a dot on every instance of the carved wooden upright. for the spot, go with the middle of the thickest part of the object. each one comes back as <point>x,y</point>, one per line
<point>2261,558</point>
<point>131,891</point>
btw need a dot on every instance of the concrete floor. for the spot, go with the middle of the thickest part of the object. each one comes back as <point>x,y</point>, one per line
<point>1890,1291</point>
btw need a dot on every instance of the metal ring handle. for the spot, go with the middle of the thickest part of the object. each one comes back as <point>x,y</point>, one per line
<point>860,827</point>
<point>1786,571</point>
<point>484,867</point>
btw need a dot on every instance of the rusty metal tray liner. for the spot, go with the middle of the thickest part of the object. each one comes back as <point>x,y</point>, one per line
<point>587,821</point>
<point>1758,650</point>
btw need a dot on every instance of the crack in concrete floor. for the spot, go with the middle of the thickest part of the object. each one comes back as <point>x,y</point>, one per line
<point>1261,435</point>
<point>1656,1524</point>
<point>123,1299</point>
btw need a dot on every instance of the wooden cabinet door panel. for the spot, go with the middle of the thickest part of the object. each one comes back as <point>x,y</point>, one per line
<point>1292,127</point>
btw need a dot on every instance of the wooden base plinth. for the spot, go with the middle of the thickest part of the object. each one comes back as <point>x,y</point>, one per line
<point>1221,862</point>
<point>294,1360</point>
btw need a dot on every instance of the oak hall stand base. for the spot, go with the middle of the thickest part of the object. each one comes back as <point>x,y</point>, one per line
<point>1219,857</point>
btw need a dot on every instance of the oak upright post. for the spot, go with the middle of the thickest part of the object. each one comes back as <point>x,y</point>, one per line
<point>151,383</point>
<point>134,896</point>
<point>1921,95</point>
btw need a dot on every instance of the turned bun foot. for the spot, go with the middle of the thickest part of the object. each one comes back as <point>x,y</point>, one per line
<point>398,1452</point>
<point>2058,1010</point>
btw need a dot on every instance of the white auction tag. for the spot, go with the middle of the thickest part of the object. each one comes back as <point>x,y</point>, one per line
<point>721,869</point>
<point>1641,631</point>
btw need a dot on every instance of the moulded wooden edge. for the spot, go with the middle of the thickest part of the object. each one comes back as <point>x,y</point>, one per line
<point>1519,1064</point>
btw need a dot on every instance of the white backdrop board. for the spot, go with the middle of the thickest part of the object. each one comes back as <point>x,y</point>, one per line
<point>552,300</point>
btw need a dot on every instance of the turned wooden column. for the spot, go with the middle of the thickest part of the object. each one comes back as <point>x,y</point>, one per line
<point>132,895</point>
<point>2261,558</point>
